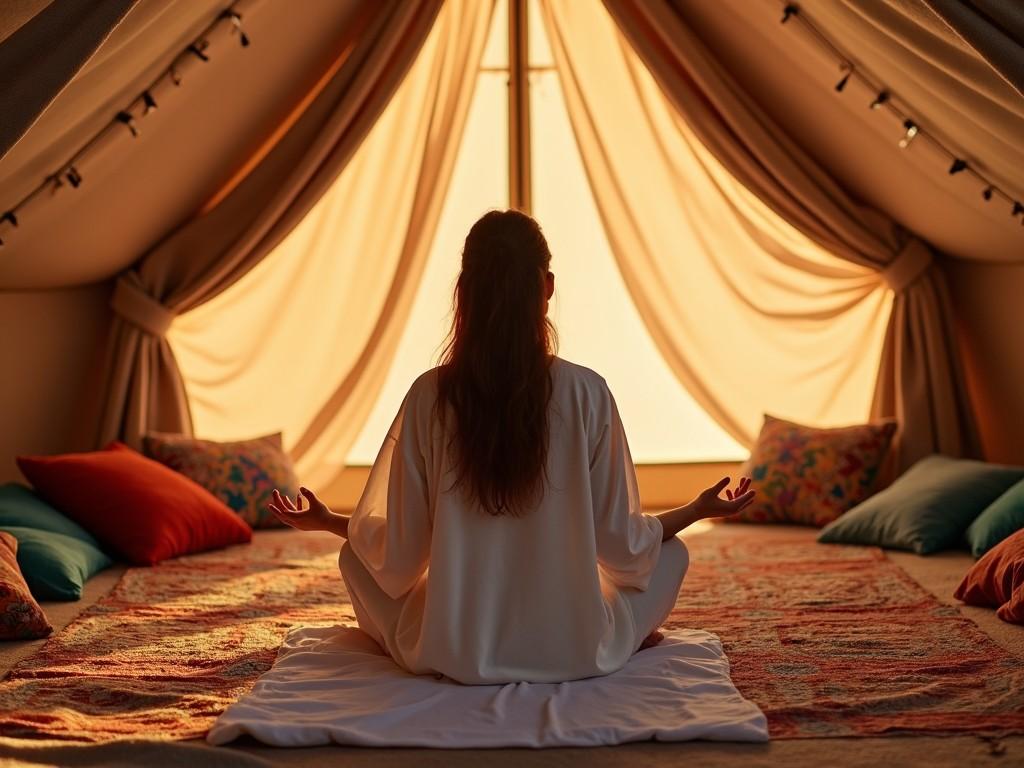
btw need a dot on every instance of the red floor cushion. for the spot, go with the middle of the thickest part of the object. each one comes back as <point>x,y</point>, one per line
<point>138,509</point>
<point>21,618</point>
<point>997,580</point>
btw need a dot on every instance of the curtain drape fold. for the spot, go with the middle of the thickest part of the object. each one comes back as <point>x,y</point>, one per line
<point>994,28</point>
<point>44,54</point>
<point>303,343</point>
<point>919,379</point>
<point>141,388</point>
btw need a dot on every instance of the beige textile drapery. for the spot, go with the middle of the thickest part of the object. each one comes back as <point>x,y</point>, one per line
<point>41,56</point>
<point>139,387</point>
<point>644,209</point>
<point>750,315</point>
<point>303,343</point>
<point>994,28</point>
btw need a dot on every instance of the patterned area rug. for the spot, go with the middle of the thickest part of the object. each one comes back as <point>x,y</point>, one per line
<point>839,641</point>
<point>170,647</point>
<point>829,641</point>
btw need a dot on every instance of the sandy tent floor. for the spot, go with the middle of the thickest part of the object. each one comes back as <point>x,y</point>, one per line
<point>939,574</point>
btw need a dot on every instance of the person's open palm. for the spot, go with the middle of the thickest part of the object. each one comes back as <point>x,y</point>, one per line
<point>307,512</point>
<point>711,504</point>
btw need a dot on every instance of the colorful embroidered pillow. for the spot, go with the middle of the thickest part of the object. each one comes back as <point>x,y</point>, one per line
<point>21,618</point>
<point>243,474</point>
<point>997,580</point>
<point>138,509</point>
<point>809,475</point>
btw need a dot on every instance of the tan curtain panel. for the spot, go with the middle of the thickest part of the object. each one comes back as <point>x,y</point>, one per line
<point>140,388</point>
<point>781,326</point>
<point>994,28</point>
<point>39,58</point>
<point>750,314</point>
<point>303,343</point>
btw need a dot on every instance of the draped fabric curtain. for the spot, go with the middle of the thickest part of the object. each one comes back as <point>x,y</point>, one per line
<point>764,318</point>
<point>40,57</point>
<point>994,28</point>
<point>303,342</point>
<point>139,387</point>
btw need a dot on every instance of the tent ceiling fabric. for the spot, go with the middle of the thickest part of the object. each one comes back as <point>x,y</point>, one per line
<point>994,28</point>
<point>140,47</point>
<point>942,81</point>
<point>200,135</point>
<point>44,54</point>
<point>15,13</point>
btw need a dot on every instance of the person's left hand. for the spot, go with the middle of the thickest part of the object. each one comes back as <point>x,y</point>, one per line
<point>314,517</point>
<point>711,504</point>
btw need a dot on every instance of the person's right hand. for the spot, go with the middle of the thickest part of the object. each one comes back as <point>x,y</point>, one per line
<point>314,516</point>
<point>711,504</point>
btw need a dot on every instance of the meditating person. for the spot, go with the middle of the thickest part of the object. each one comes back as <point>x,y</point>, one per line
<point>500,536</point>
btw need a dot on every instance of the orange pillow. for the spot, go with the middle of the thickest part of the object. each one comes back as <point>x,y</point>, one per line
<point>997,580</point>
<point>21,618</point>
<point>138,509</point>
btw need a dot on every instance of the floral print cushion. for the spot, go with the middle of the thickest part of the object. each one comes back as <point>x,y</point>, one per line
<point>21,618</point>
<point>809,475</point>
<point>243,474</point>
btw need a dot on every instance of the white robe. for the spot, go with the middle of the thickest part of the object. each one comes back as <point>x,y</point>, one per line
<point>543,597</point>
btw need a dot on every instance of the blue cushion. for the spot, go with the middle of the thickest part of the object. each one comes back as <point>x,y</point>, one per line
<point>55,566</point>
<point>20,506</point>
<point>1002,518</point>
<point>928,508</point>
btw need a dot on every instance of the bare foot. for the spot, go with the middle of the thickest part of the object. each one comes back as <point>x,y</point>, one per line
<point>651,640</point>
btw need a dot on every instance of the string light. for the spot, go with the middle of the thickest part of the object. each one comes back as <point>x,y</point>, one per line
<point>69,173</point>
<point>199,49</point>
<point>129,120</point>
<point>236,22</point>
<point>883,101</point>
<point>846,78</point>
<point>911,130</point>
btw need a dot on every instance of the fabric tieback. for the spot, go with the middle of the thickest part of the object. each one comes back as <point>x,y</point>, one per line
<point>140,309</point>
<point>911,262</point>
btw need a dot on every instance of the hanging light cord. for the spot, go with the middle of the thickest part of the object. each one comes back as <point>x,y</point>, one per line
<point>884,100</point>
<point>129,116</point>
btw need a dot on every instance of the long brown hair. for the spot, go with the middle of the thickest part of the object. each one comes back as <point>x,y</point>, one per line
<point>495,368</point>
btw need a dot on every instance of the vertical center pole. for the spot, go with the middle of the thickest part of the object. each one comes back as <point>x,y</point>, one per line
<point>518,108</point>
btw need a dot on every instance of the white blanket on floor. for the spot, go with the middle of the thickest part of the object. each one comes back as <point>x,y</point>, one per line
<point>334,684</point>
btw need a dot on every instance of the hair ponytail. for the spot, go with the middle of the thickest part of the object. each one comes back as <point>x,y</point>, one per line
<point>495,369</point>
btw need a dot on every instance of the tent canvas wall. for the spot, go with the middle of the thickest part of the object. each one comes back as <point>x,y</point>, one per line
<point>57,268</point>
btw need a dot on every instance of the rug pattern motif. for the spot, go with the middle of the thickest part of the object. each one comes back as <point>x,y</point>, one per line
<point>834,640</point>
<point>828,640</point>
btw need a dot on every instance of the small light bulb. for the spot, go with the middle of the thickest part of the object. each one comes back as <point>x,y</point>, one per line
<point>911,131</point>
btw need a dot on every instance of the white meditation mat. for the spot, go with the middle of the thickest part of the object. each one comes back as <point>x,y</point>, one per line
<point>334,684</point>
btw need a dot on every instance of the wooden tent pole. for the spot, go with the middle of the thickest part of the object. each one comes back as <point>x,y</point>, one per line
<point>519,185</point>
